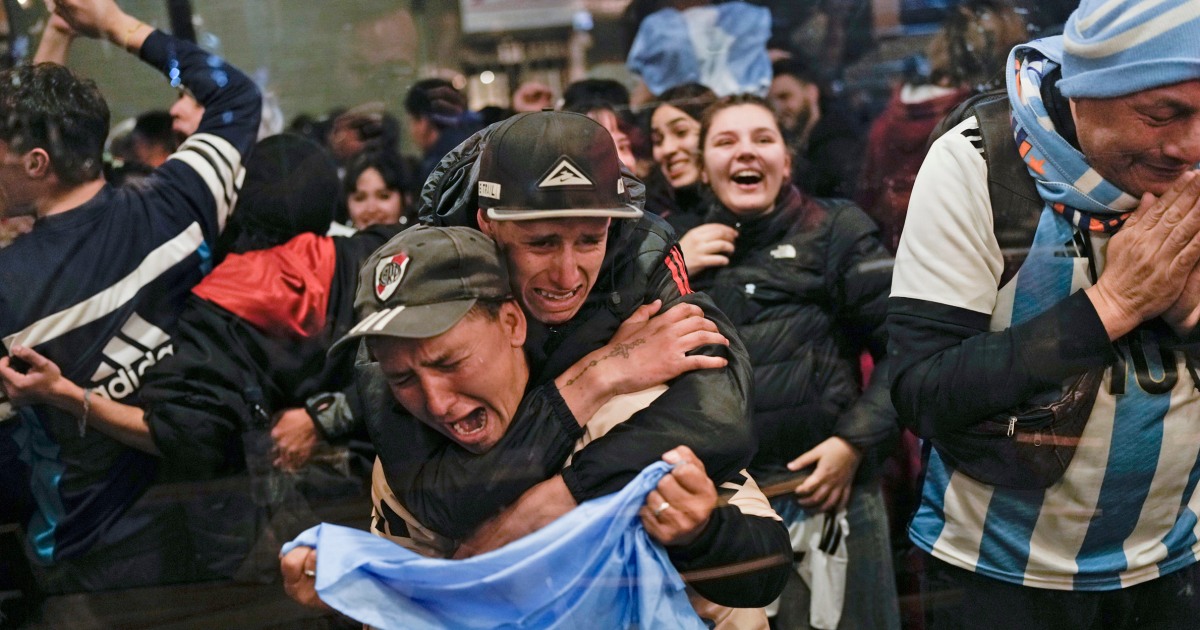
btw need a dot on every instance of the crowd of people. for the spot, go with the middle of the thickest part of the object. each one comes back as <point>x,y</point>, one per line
<point>948,352</point>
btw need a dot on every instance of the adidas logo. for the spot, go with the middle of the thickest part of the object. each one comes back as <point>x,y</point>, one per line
<point>128,355</point>
<point>565,173</point>
<point>378,319</point>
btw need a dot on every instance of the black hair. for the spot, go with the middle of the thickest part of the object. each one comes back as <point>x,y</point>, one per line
<point>489,308</point>
<point>436,100</point>
<point>315,128</point>
<point>801,69</point>
<point>491,114</point>
<point>690,98</point>
<point>606,91</point>
<point>627,123</point>
<point>389,165</point>
<point>154,128</point>
<point>589,106</point>
<point>290,187</point>
<point>376,128</point>
<point>49,107</point>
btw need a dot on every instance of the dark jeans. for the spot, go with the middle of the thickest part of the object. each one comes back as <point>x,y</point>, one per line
<point>956,599</point>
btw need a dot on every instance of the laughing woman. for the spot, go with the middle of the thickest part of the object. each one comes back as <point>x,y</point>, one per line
<point>374,185</point>
<point>806,286</point>
<point>675,137</point>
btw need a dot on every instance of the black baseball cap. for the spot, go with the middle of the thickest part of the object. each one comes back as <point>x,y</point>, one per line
<point>424,280</point>
<point>552,165</point>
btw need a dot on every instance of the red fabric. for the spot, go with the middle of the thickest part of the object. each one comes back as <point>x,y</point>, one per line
<point>866,363</point>
<point>674,262</point>
<point>282,291</point>
<point>896,146</point>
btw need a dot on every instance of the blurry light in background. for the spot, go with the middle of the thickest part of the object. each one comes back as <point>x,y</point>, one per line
<point>582,21</point>
<point>486,77</point>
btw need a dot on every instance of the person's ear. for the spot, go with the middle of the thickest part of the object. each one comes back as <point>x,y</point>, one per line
<point>485,224</point>
<point>512,318</point>
<point>812,93</point>
<point>36,163</point>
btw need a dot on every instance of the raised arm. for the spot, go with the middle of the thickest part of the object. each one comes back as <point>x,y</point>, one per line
<point>56,40</point>
<point>103,19</point>
<point>232,103</point>
<point>200,180</point>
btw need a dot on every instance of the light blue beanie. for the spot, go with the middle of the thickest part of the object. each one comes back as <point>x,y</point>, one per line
<point>1117,47</point>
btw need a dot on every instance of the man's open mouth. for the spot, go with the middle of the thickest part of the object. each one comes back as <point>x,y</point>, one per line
<point>556,296</point>
<point>471,424</point>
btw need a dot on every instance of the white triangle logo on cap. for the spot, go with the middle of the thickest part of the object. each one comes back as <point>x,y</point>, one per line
<point>388,274</point>
<point>565,174</point>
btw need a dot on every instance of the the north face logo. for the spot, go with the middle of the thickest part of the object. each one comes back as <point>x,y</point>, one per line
<point>565,173</point>
<point>388,274</point>
<point>128,355</point>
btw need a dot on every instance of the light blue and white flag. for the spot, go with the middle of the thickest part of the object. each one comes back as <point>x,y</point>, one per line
<point>723,47</point>
<point>595,567</point>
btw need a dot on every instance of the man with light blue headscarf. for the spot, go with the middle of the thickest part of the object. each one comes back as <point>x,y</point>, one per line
<point>1106,120</point>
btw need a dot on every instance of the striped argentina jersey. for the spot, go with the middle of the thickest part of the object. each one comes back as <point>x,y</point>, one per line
<point>97,290</point>
<point>1126,509</point>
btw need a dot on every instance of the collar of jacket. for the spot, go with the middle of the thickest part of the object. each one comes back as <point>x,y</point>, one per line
<point>764,229</point>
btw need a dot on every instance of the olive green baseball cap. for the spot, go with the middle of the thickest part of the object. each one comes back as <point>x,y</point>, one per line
<point>424,280</point>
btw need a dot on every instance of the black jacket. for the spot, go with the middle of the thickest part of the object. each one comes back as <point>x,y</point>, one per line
<point>807,288</point>
<point>199,401</point>
<point>829,164</point>
<point>453,491</point>
<point>683,208</point>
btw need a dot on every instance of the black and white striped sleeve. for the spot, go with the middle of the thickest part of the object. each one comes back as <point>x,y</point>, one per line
<point>228,128</point>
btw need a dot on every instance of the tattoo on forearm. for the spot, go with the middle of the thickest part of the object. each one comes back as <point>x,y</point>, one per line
<point>619,350</point>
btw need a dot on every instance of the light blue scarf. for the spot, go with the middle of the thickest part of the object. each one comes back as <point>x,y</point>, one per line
<point>1076,196</point>
<point>593,568</point>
